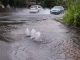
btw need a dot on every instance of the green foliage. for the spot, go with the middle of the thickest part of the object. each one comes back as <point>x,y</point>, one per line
<point>51,3</point>
<point>72,15</point>
<point>17,3</point>
<point>14,3</point>
<point>44,3</point>
<point>48,3</point>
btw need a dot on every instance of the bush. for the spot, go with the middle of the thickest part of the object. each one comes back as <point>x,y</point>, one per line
<point>72,15</point>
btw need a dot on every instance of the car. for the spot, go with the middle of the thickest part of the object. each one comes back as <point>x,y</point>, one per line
<point>35,8</point>
<point>57,10</point>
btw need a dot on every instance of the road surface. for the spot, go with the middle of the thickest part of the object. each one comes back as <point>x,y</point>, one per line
<point>58,42</point>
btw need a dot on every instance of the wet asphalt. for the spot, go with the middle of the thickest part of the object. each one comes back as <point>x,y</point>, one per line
<point>57,41</point>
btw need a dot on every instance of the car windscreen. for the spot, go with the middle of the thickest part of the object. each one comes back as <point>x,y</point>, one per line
<point>58,7</point>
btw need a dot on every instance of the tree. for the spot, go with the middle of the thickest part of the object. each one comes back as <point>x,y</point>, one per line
<point>51,3</point>
<point>48,3</point>
<point>5,2</point>
<point>14,3</point>
<point>17,3</point>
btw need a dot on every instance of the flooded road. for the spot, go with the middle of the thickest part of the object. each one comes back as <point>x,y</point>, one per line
<point>59,42</point>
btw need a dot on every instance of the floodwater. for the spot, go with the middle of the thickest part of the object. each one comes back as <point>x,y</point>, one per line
<point>57,41</point>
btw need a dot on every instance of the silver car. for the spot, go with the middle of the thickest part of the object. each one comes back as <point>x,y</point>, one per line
<point>57,10</point>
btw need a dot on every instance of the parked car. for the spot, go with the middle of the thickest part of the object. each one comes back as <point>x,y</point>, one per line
<point>57,10</point>
<point>35,8</point>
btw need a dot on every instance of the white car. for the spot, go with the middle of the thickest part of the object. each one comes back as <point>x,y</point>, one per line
<point>35,8</point>
<point>57,10</point>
